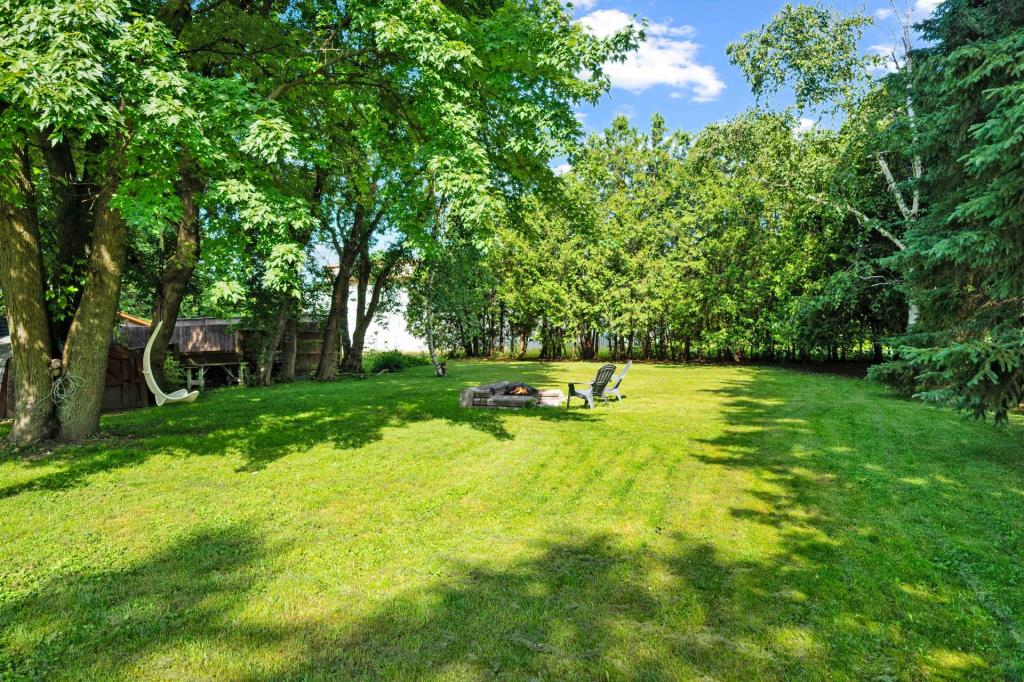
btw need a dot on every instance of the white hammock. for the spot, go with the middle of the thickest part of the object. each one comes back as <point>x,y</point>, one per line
<point>179,396</point>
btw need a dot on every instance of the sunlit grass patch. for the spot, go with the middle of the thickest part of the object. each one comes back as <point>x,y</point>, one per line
<point>375,530</point>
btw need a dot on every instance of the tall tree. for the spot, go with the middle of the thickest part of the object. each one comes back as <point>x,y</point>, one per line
<point>964,259</point>
<point>103,91</point>
<point>816,52</point>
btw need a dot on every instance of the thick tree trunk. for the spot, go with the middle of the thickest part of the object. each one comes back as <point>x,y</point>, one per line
<point>266,365</point>
<point>352,363</point>
<point>177,272</point>
<point>21,277</point>
<point>337,322</point>
<point>352,360</point>
<point>88,342</point>
<point>289,352</point>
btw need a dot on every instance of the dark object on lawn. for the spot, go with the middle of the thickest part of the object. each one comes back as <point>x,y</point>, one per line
<point>594,389</point>
<point>509,395</point>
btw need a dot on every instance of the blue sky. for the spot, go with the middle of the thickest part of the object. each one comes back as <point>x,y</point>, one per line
<point>682,70</point>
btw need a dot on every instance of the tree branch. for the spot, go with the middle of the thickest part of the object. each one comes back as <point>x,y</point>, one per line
<point>908,214</point>
<point>863,218</point>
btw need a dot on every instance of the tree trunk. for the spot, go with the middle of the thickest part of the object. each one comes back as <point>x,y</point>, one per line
<point>439,367</point>
<point>89,337</point>
<point>177,272</point>
<point>352,360</point>
<point>366,309</point>
<point>336,335</point>
<point>289,353</point>
<point>74,219</point>
<point>501,329</point>
<point>336,325</point>
<point>21,277</point>
<point>266,367</point>
<point>587,347</point>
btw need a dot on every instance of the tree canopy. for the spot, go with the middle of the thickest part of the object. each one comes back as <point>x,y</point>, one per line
<point>174,156</point>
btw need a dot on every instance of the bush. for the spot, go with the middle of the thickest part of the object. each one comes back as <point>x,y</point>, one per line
<point>392,361</point>
<point>174,373</point>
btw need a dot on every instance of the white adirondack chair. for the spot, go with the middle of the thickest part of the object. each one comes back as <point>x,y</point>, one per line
<point>180,396</point>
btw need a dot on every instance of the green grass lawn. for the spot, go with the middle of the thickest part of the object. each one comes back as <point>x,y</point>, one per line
<point>720,523</point>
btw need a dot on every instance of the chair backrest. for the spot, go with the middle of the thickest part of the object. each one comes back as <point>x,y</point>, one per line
<point>619,377</point>
<point>604,375</point>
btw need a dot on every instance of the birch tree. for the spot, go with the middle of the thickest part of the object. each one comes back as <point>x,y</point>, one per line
<point>815,52</point>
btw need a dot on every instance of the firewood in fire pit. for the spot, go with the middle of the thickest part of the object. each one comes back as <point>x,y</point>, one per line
<point>521,389</point>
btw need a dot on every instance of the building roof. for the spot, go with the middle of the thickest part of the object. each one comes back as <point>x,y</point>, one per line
<point>134,320</point>
<point>191,335</point>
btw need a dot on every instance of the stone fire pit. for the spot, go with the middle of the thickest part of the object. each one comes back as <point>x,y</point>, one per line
<point>509,395</point>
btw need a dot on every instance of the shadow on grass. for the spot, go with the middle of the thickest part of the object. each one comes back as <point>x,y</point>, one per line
<point>907,512</point>
<point>88,625</point>
<point>264,425</point>
<point>889,564</point>
<point>584,609</point>
<point>580,609</point>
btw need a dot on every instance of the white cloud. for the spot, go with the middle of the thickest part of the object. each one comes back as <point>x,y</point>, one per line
<point>684,31</point>
<point>890,52</point>
<point>605,22</point>
<point>561,169</point>
<point>583,4</point>
<point>662,59</point>
<point>916,11</point>
<point>805,125</point>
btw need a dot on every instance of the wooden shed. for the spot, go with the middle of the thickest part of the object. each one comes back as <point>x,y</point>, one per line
<point>125,387</point>
<point>210,349</point>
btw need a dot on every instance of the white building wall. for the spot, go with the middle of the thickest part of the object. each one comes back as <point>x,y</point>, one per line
<point>388,331</point>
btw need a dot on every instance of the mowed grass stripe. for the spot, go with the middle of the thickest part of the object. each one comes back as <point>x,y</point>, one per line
<point>721,522</point>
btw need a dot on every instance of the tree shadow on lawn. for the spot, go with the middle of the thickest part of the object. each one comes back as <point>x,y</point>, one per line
<point>914,509</point>
<point>881,570</point>
<point>87,625</point>
<point>583,608</point>
<point>264,425</point>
